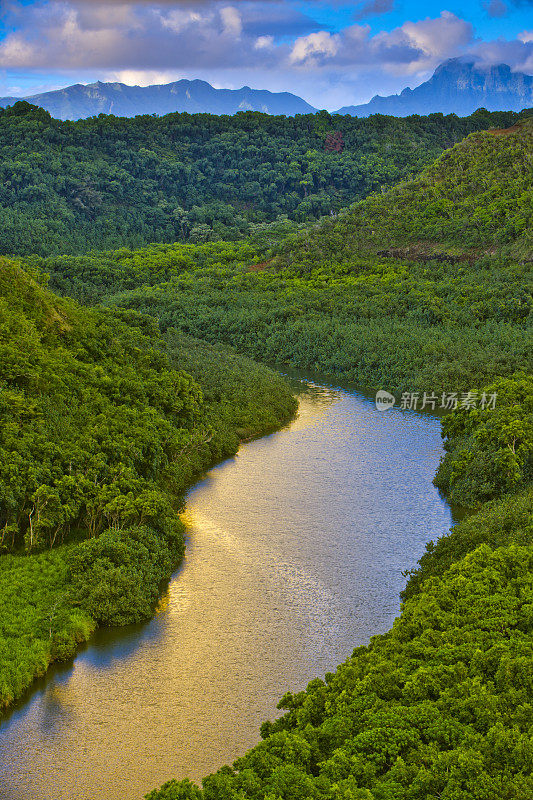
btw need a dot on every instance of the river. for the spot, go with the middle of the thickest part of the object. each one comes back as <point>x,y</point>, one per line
<point>295,555</point>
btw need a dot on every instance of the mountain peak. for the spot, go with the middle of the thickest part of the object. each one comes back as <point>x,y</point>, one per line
<point>458,86</point>
<point>194,96</point>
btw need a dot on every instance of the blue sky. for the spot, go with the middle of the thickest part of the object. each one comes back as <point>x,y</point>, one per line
<point>331,53</point>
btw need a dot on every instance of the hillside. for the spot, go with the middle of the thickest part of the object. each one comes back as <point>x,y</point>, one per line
<point>439,707</point>
<point>107,182</point>
<point>340,296</point>
<point>458,86</point>
<point>101,431</point>
<point>476,198</point>
<point>194,97</point>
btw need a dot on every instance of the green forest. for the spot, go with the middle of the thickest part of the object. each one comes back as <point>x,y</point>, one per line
<point>126,370</point>
<point>326,299</point>
<point>108,182</point>
<point>103,425</point>
<point>439,707</point>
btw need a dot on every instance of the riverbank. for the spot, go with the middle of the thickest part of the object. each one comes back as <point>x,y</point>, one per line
<point>52,601</point>
<point>439,706</point>
<point>295,552</point>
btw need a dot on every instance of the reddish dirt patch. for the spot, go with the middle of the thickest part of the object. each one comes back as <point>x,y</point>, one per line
<point>259,267</point>
<point>505,131</point>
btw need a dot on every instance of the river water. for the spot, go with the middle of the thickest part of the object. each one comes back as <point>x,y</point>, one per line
<point>295,556</point>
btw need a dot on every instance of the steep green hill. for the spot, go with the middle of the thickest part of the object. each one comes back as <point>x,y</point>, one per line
<point>366,298</point>
<point>439,708</point>
<point>107,182</point>
<point>101,431</point>
<point>477,197</point>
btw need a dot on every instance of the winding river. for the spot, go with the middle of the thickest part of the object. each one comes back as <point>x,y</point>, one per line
<point>295,556</point>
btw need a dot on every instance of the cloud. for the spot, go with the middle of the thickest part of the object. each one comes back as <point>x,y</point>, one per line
<point>315,48</point>
<point>232,21</point>
<point>496,8</point>
<point>518,54</point>
<point>264,42</point>
<point>229,43</point>
<point>373,8</point>
<point>410,48</point>
<point>142,77</point>
<point>70,36</point>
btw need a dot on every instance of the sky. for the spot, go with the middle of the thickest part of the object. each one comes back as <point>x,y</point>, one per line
<point>330,52</point>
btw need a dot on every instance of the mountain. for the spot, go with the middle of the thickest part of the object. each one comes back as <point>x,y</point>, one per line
<point>80,102</point>
<point>458,86</point>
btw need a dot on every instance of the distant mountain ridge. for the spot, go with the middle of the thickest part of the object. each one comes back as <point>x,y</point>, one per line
<point>458,86</point>
<point>196,96</point>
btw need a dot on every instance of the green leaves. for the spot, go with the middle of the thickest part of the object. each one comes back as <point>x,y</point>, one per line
<point>490,452</point>
<point>100,432</point>
<point>116,577</point>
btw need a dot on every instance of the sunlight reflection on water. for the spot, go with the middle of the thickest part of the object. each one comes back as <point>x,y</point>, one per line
<point>295,553</point>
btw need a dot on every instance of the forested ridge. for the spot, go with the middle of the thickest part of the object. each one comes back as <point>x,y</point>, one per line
<point>475,198</point>
<point>107,182</point>
<point>440,707</point>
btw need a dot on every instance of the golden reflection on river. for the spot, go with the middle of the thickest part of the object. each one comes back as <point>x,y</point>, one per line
<point>294,557</point>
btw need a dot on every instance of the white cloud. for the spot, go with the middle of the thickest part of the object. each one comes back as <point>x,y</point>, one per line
<point>142,77</point>
<point>278,47</point>
<point>315,48</point>
<point>438,37</point>
<point>231,20</point>
<point>413,47</point>
<point>264,42</point>
<point>15,51</point>
<point>178,19</point>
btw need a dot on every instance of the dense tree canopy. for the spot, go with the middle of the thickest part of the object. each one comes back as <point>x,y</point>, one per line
<point>477,197</point>
<point>104,421</point>
<point>439,708</point>
<point>101,431</point>
<point>68,187</point>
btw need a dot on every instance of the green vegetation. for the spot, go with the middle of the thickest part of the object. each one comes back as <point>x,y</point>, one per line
<point>424,287</point>
<point>489,453</point>
<point>477,197</point>
<point>496,524</point>
<point>37,624</point>
<point>89,278</point>
<point>107,182</point>
<point>439,708</point>
<point>377,322</point>
<point>324,301</point>
<point>101,431</point>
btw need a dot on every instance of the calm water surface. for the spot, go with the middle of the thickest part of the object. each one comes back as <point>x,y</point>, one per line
<point>295,554</point>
